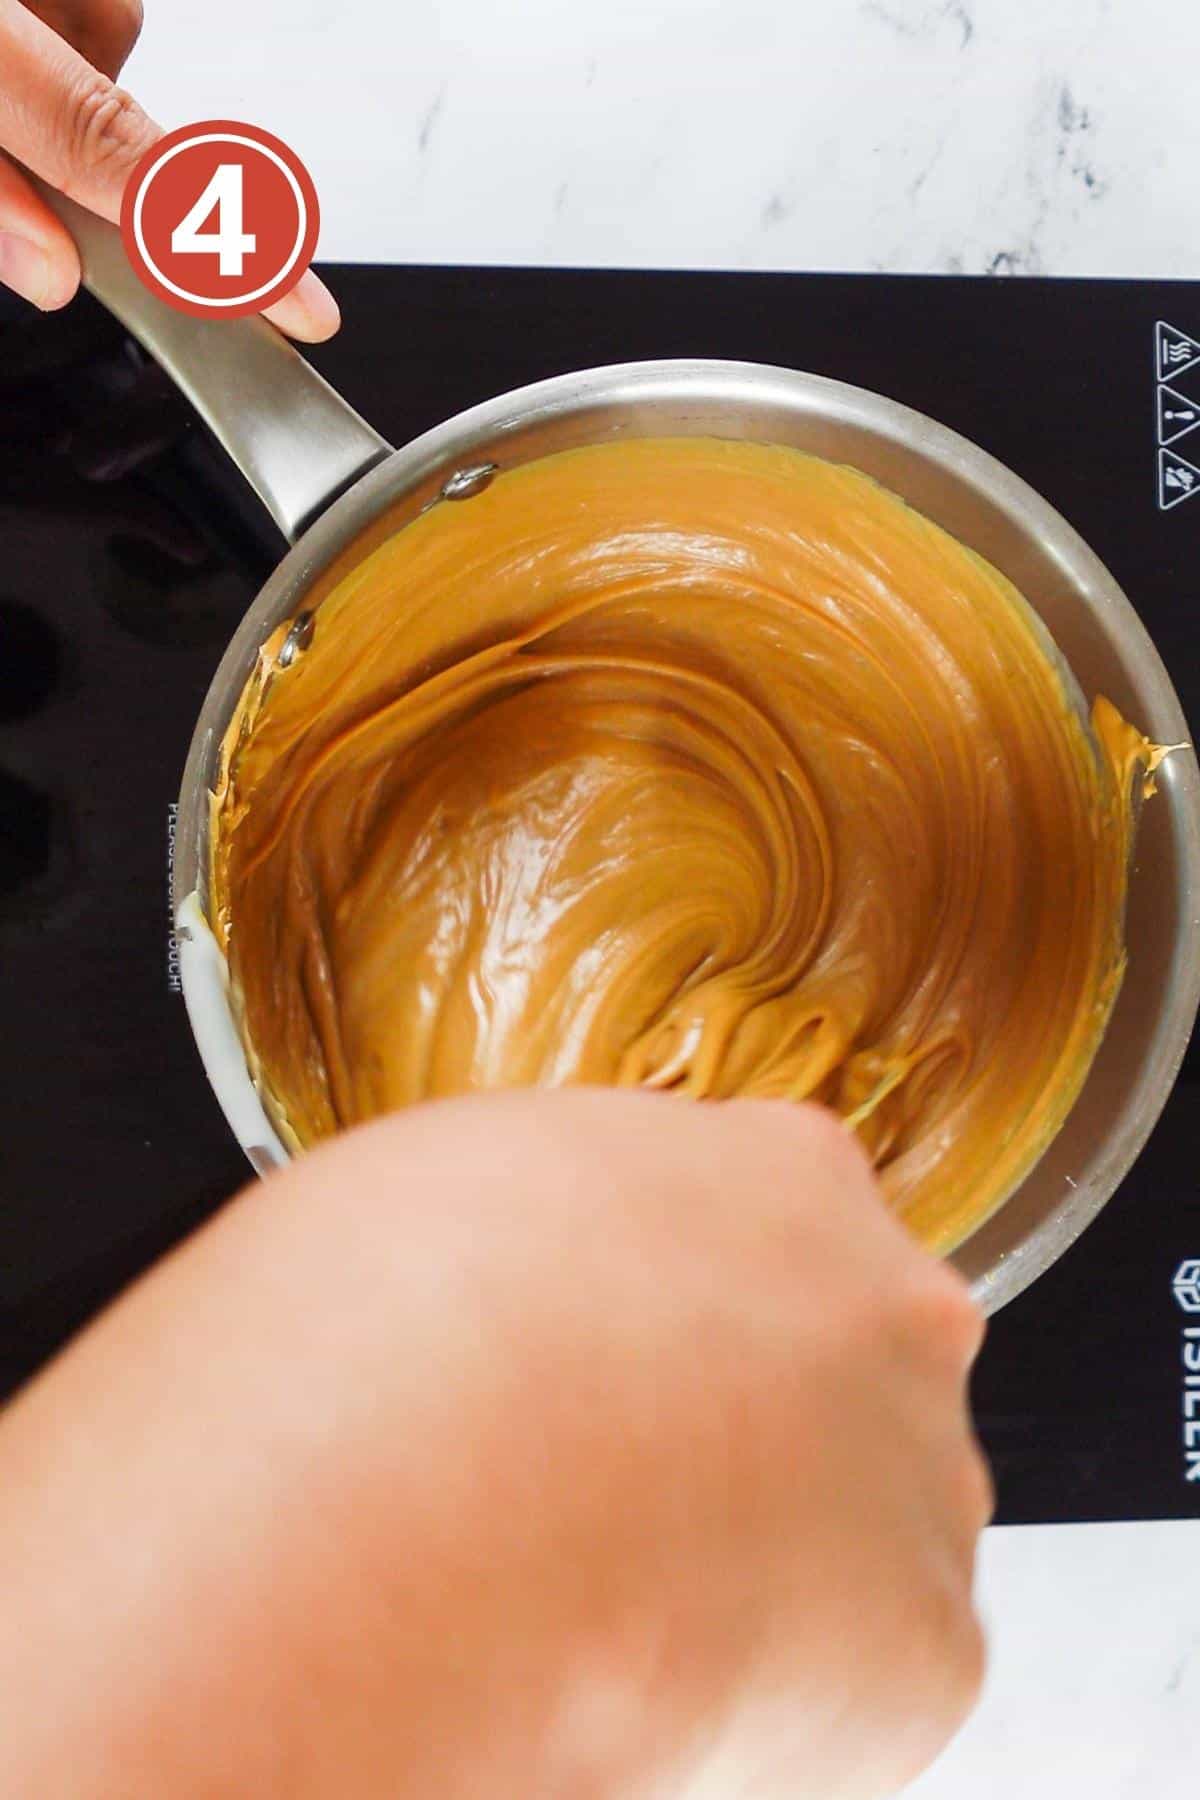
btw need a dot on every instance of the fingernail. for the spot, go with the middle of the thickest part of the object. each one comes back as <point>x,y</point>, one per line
<point>312,311</point>
<point>25,269</point>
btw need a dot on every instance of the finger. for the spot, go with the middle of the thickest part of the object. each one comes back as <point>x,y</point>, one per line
<point>951,1319</point>
<point>71,126</point>
<point>38,259</point>
<point>309,313</point>
<point>64,119</point>
<point>103,31</point>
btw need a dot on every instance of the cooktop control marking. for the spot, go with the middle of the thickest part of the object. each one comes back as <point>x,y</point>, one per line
<point>1178,479</point>
<point>1177,411</point>
<point>1175,352</point>
<point>1177,415</point>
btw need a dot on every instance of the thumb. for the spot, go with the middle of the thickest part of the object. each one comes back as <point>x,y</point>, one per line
<point>64,119</point>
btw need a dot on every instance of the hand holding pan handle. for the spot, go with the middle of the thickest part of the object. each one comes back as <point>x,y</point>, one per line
<point>296,441</point>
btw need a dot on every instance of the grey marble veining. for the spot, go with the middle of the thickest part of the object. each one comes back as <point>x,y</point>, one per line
<point>920,23</point>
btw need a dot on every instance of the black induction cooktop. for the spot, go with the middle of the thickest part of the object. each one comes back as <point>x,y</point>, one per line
<point>129,549</point>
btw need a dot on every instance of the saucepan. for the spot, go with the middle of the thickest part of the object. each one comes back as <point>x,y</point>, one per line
<point>334,486</point>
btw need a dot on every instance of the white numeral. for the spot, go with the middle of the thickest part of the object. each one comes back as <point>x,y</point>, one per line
<point>229,242</point>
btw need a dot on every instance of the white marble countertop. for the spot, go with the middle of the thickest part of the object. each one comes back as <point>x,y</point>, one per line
<point>980,136</point>
<point>974,135</point>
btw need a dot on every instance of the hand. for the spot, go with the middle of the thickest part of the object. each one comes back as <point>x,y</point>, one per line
<point>556,1444</point>
<point>62,116</point>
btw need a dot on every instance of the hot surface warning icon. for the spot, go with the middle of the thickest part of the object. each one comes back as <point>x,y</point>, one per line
<point>1175,351</point>
<point>1178,479</point>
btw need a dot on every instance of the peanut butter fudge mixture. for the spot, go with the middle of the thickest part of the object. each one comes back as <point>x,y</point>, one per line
<point>686,764</point>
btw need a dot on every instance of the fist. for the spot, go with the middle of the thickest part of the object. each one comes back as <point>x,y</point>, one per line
<point>579,1443</point>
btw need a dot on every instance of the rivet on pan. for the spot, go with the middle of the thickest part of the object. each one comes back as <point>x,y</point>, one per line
<point>298,638</point>
<point>465,482</point>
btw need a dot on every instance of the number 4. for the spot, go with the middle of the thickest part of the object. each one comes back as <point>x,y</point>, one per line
<point>224,196</point>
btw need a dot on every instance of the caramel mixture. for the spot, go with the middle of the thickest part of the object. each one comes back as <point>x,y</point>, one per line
<point>690,764</point>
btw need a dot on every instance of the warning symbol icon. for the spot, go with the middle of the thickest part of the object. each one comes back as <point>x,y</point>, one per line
<point>1177,415</point>
<point>1175,351</point>
<point>1178,479</point>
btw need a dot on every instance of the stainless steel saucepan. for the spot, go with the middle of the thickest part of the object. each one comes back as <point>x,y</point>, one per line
<point>327,478</point>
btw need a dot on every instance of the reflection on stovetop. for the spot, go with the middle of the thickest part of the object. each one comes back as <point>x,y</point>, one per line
<point>99,452</point>
<point>129,549</point>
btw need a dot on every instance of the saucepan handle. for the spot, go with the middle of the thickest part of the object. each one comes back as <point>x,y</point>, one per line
<point>293,437</point>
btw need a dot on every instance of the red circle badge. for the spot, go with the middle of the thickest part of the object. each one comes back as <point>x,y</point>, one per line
<point>220,219</point>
